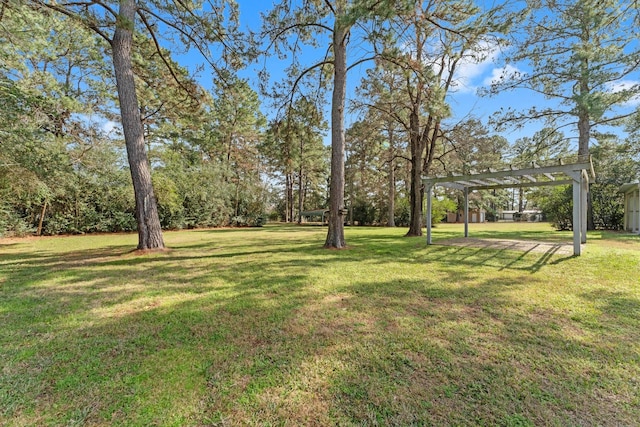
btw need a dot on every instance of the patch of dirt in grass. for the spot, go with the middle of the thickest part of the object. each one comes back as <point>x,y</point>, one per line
<point>514,245</point>
<point>150,251</point>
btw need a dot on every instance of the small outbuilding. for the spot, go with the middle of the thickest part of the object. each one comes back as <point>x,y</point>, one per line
<point>631,193</point>
<point>475,215</point>
<point>315,216</point>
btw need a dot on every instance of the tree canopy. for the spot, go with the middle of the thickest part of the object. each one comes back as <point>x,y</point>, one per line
<point>97,99</point>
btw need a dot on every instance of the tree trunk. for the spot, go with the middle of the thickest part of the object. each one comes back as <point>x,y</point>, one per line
<point>286,198</point>
<point>149,230</point>
<point>584,134</point>
<point>584,126</point>
<point>301,182</point>
<point>44,210</point>
<point>416,139</point>
<point>416,192</point>
<point>335,233</point>
<point>237,201</point>
<point>300,194</point>
<point>391,221</point>
<point>415,198</point>
<point>520,199</point>
<point>289,196</point>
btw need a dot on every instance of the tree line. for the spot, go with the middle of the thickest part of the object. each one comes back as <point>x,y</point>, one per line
<point>95,104</point>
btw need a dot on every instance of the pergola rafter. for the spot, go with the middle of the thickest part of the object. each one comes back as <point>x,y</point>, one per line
<point>578,173</point>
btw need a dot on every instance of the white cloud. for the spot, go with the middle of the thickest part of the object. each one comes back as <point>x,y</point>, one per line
<point>110,127</point>
<point>472,68</point>
<point>476,71</point>
<point>498,74</point>
<point>621,85</point>
<point>469,73</point>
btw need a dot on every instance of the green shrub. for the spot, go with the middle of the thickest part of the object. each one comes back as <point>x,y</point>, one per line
<point>364,213</point>
<point>402,212</point>
<point>556,204</point>
<point>440,207</point>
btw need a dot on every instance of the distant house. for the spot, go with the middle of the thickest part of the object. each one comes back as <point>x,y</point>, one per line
<point>530,215</point>
<point>631,193</point>
<point>475,215</point>
<point>506,215</point>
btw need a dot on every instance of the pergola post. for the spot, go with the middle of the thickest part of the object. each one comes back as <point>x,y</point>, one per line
<point>625,218</point>
<point>629,212</point>
<point>577,212</point>
<point>428,213</point>
<point>638,209</point>
<point>584,188</point>
<point>466,211</point>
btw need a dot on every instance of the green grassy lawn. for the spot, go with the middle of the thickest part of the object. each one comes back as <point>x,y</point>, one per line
<point>264,327</point>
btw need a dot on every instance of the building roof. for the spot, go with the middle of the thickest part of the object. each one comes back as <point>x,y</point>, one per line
<point>625,188</point>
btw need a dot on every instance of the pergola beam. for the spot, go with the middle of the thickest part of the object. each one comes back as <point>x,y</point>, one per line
<point>479,182</point>
<point>523,185</point>
<point>513,179</point>
<point>453,185</point>
<point>541,170</point>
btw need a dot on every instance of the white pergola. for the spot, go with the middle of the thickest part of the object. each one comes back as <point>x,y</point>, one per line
<point>576,173</point>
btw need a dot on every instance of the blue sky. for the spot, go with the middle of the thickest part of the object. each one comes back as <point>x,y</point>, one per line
<point>464,100</point>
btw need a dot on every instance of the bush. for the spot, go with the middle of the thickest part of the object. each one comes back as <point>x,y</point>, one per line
<point>239,221</point>
<point>608,206</point>
<point>260,221</point>
<point>402,212</point>
<point>439,209</point>
<point>557,205</point>
<point>364,213</point>
<point>12,225</point>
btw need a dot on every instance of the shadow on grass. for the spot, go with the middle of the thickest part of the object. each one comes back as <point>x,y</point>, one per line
<point>501,259</point>
<point>244,336</point>
<point>451,356</point>
<point>269,228</point>
<point>395,352</point>
<point>535,236</point>
<point>116,266</point>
